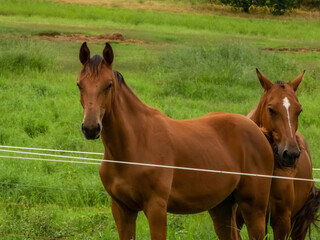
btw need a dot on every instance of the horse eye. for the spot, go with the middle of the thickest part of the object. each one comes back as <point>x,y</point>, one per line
<point>109,86</point>
<point>300,111</point>
<point>78,86</point>
<point>271,111</point>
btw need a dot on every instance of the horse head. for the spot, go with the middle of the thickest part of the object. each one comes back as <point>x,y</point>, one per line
<point>278,113</point>
<point>96,83</point>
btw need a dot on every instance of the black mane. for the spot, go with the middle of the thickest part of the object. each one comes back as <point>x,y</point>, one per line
<point>94,64</point>
<point>122,82</point>
<point>280,83</point>
<point>120,78</point>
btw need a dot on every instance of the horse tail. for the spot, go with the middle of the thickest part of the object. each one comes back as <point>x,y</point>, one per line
<point>307,216</point>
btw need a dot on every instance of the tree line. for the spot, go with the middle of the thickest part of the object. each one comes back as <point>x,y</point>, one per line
<point>277,7</point>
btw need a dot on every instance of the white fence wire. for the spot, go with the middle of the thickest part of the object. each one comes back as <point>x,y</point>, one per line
<point>89,162</point>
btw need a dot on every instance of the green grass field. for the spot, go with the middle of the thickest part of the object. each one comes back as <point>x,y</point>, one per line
<point>186,66</point>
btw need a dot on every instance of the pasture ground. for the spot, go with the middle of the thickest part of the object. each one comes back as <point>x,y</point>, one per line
<point>184,64</point>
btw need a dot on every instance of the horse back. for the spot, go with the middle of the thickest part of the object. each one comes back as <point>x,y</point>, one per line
<point>232,136</point>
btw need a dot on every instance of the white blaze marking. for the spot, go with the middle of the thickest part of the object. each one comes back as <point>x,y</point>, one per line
<point>286,104</point>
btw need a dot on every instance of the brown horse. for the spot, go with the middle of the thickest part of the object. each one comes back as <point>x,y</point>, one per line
<point>133,132</point>
<point>293,204</point>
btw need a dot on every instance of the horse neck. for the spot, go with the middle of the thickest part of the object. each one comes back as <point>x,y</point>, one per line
<point>121,127</point>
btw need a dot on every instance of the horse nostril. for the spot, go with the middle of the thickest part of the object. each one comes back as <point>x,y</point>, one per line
<point>91,132</point>
<point>292,155</point>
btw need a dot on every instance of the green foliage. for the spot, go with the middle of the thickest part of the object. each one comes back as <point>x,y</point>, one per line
<point>244,4</point>
<point>278,7</point>
<point>312,4</point>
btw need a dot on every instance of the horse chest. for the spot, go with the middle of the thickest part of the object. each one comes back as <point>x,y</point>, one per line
<point>122,186</point>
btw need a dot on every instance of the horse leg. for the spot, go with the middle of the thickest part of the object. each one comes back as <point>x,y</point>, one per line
<point>252,197</point>
<point>125,220</point>
<point>281,219</point>
<point>281,223</point>
<point>240,221</point>
<point>254,217</point>
<point>281,205</point>
<point>224,219</point>
<point>156,213</point>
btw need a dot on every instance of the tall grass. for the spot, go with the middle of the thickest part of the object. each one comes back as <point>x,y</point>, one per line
<point>203,73</point>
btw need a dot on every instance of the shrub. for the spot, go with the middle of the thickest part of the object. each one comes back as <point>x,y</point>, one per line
<point>308,3</point>
<point>244,4</point>
<point>278,7</point>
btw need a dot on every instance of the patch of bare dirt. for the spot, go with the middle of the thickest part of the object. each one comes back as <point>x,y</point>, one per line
<point>294,50</point>
<point>77,37</point>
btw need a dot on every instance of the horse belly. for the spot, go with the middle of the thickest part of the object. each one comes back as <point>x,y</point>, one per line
<point>197,192</point>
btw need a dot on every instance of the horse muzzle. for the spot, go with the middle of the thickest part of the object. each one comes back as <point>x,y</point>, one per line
<point>91,132</point>
<point>289,157</point>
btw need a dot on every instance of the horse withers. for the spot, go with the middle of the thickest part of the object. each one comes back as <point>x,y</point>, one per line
<point>133,132</point>
<point>293,203</point>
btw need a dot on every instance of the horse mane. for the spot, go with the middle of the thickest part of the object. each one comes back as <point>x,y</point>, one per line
<point>280,83</point>
<point>121,80</point>
<point>122,83</point>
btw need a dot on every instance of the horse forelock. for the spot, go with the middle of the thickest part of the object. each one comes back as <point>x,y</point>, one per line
<point>93,65</point>
<point>280,84</point>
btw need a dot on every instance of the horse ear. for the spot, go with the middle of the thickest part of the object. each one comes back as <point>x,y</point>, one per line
<point>108,54</point>
<point>84,54</point>
<point>295,83</point>
<point>264,81</point>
